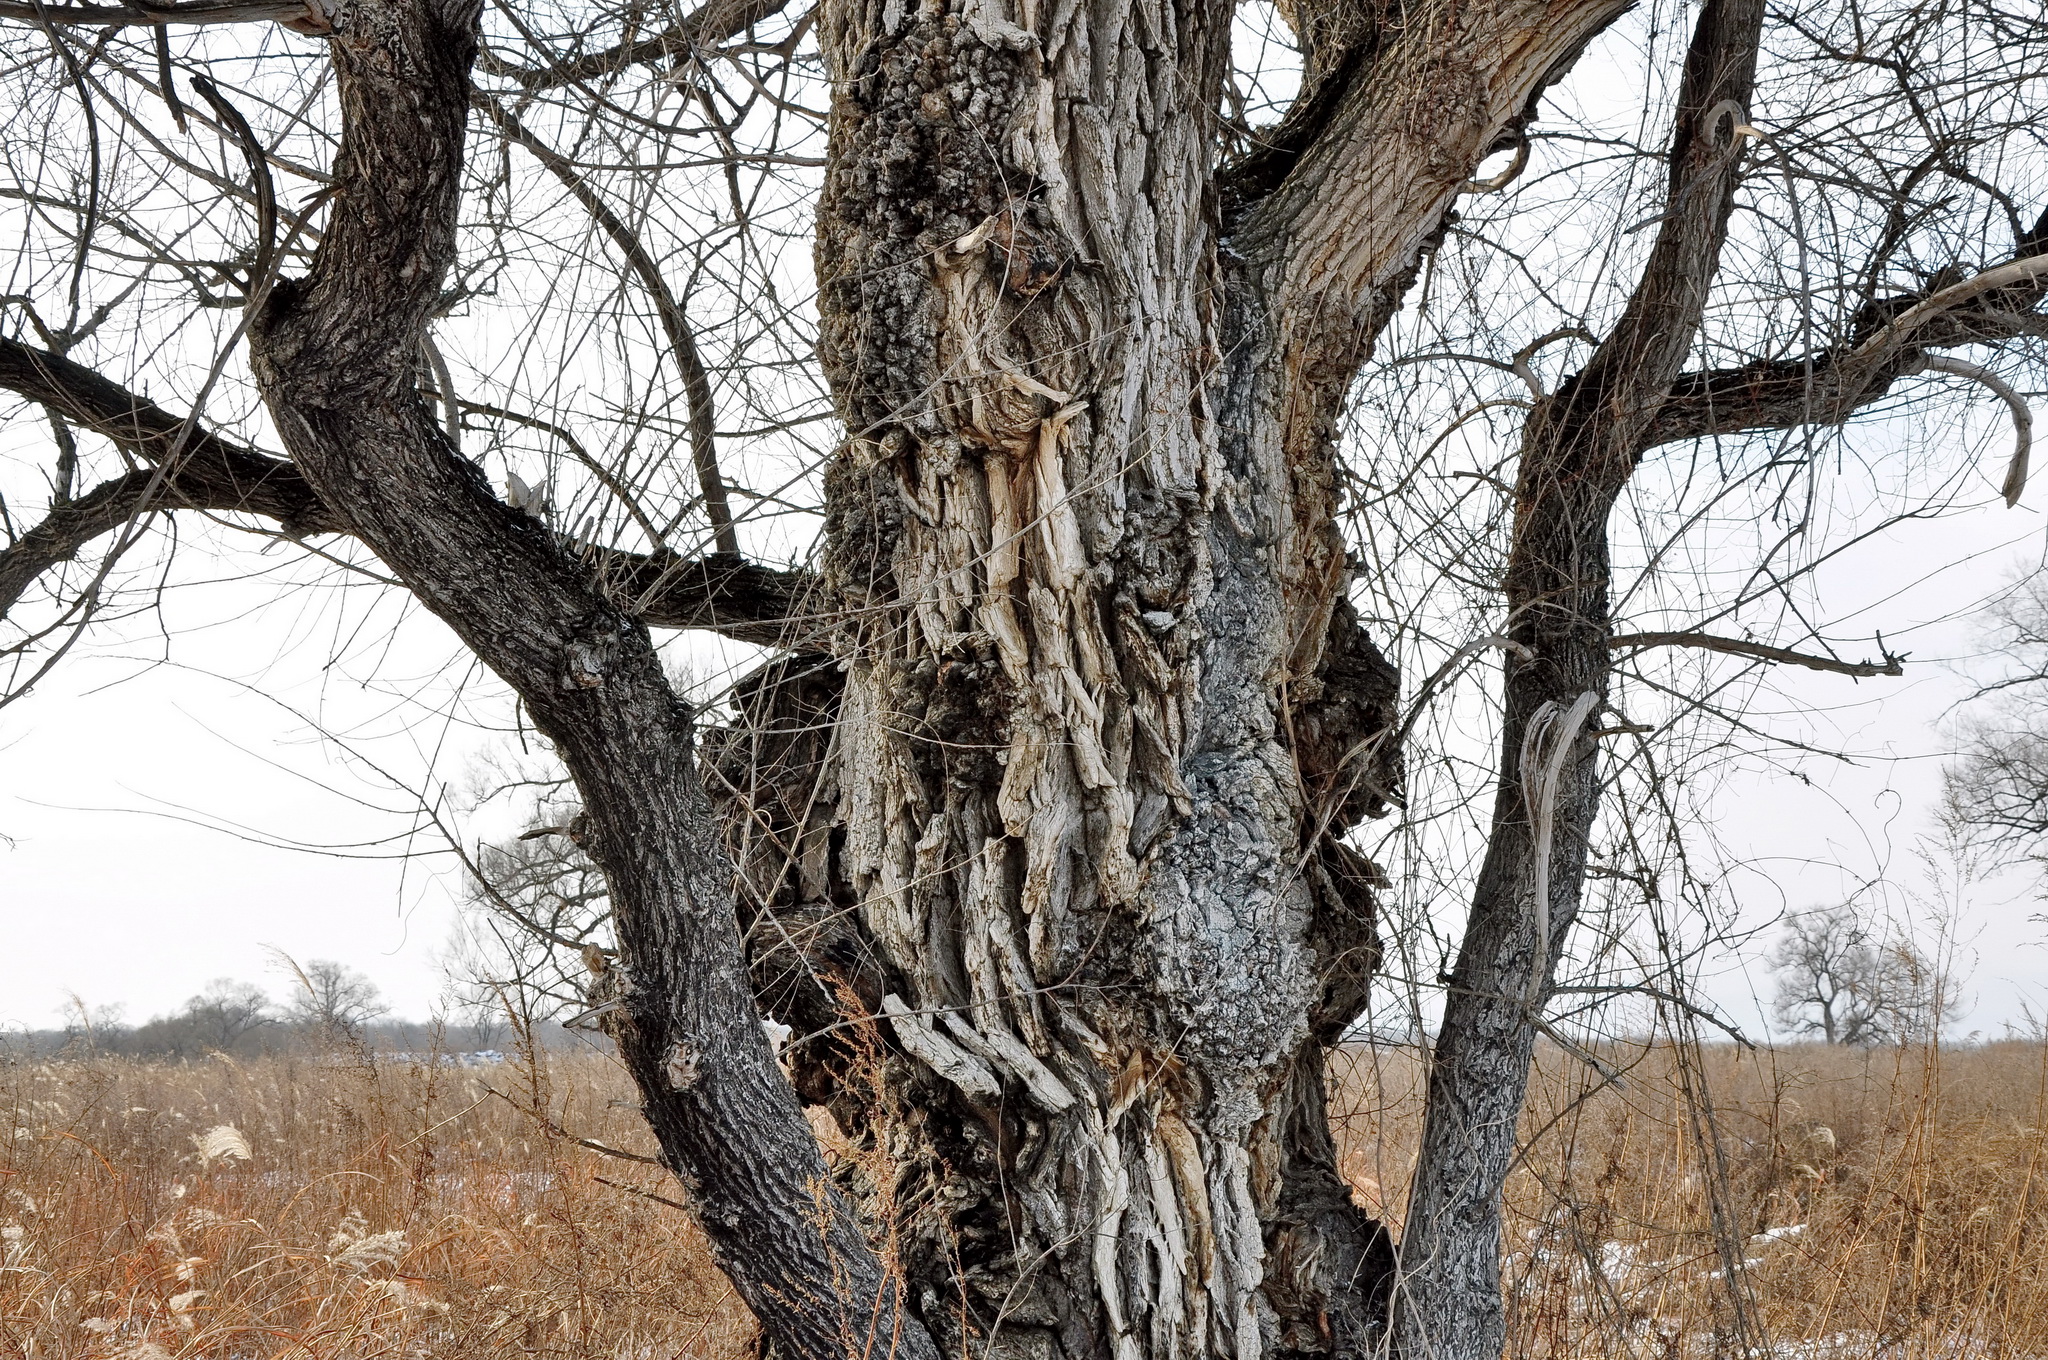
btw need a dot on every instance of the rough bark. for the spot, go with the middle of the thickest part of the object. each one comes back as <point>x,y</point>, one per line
<point>1579,448</point>
<point>1104,718</point>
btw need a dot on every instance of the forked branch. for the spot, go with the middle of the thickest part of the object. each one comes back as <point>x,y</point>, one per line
<point>721,592</point>
<point>1827,388</point>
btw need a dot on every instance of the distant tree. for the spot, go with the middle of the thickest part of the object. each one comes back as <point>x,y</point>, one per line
<point>92,1026</point>
<point>226,1016</point>
<point>1839,979</point>
<point>1998,786</point>
<point>331,997</point>
<point>541,927</point>
<point>226,1011</point>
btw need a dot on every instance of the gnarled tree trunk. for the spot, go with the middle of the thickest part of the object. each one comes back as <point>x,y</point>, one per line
<point>1035,836</point>
<point>1105,712</point>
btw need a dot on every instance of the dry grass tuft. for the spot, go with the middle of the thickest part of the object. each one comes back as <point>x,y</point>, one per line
<point>308,1209</point>
<point>1821,1203</point>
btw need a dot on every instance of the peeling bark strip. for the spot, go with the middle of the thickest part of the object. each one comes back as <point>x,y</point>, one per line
<point>334,354</point>
<point>1104,714</point>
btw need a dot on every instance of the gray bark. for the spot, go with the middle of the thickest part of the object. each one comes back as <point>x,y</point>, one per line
<point>1104,714</point>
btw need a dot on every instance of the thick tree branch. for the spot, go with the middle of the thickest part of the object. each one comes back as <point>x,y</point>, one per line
<point>216,473</point>
<point>721,592</point>
<point>130,16</point>
<point>1828,388</point>
<point>1891,665</point>
<point>67,529</point>
<point>1343,222</point>
<point>1579,448</point>
<point>336,356</point>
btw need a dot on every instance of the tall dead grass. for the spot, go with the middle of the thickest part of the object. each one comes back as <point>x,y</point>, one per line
<point>381,1210</point>
<point>1802,1202</point>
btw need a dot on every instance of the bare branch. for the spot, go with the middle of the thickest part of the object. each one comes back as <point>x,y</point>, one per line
<point>2015,483</point>
<point>682,341</point>
<point>213,472</point>
<point>722,593</point>
<point>643,1194</point>
<point>1829,387</point>
<point>129,16</point>
<point>1891,665</point>
<point>69,528</point>
<point>709,24</point>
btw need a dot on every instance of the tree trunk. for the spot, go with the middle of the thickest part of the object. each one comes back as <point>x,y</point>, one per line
<point>1104,711</point>
<point>335,353</point>
<point>1579,449</point>
<point>1074,826</point>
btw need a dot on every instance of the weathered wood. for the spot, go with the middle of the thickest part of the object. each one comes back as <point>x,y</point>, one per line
<point>1088,770</point>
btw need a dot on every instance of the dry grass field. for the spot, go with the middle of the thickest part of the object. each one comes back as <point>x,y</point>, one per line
<point>1802,1202</point>
<point>1798,1202</point>
<point>383,1209</point>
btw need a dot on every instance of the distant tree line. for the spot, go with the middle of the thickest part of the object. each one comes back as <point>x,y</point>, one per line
<point>326,1007</point>
<point>326,1002</point>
